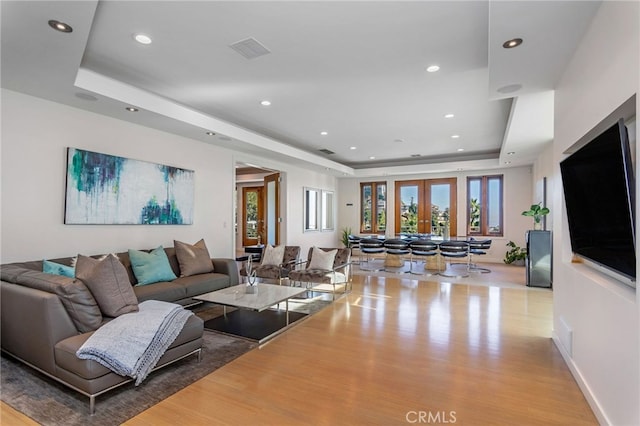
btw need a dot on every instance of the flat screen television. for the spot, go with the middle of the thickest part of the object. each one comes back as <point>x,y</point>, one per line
<point>599,192</point>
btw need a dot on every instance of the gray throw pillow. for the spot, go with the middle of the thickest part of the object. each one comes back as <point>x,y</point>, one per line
<point>108,281</point>
<point>193,259</point>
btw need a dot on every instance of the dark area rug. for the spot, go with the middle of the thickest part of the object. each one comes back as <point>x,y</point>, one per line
<point>51,403</point>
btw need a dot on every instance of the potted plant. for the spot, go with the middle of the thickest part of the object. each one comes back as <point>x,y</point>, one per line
<point>515,255</point>
<point>345,236</point>
<point>536,212</point>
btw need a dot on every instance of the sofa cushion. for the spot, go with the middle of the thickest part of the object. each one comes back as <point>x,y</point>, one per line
<point>65,350</point>
<point>202,283</point>
<point>49,267</point>
<point>193,259</point>
<point>74,295</point>
<point>109,283</point>
<point>151,267</point>
<point>165,291</point>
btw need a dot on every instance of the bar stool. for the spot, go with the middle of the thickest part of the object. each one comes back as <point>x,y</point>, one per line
<point>422,248</point>
<point>369,246</point>
<point>454,250</point>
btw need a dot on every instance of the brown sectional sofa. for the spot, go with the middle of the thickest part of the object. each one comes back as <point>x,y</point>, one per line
<point>43,319</point>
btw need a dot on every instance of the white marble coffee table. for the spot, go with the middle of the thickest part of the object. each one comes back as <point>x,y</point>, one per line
<point>253,320</point>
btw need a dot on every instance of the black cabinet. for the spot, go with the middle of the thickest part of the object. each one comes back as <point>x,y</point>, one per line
<point>539,259</point>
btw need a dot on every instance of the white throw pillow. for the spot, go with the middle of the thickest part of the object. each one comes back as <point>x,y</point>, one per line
<point>321,259</point>
<point>272,255</point>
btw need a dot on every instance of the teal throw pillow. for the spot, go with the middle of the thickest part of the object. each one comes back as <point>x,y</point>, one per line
<point>151,267</point>
<point>49,267</point>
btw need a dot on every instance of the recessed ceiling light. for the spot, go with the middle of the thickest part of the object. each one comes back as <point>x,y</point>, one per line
<point>265,103</point>
<point>398,140</point>
<point>511,152</point>
<point>449,116</point>
<point>507,162</point>
<point>142,38</point>
<point>433,68</point>
<point>372,158</point>
<point>211,134</point>
<point>460,149</point>
<point>416,155</point>
<point>60,26</point>
<point>455,136</point>
<point>131,109</point>
<point>514,42</point>
<point>324,133</point>
<point>510,88</point>
<point>352,147</point>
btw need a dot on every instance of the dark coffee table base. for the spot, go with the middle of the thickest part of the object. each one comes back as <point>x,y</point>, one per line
<point>253,325</point>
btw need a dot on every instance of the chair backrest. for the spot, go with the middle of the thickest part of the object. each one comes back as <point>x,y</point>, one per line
<point>373,244</point>
<point>454,247</point>
<point>479,244</point>
<point>396,245</point>
<point>423,246</point>
<point>291,254</point>
<point>342,256</point>
<point>354,241</point>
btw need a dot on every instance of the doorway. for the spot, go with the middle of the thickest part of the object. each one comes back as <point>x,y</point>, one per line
<point>257,206</point>
<point>426,207</point>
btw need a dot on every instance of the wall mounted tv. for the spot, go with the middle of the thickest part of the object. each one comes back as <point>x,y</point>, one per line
<point>599,193</point>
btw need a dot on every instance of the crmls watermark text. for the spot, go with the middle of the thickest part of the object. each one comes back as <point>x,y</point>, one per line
<point>437,417</point>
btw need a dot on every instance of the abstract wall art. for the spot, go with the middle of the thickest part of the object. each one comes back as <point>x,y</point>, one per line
<point>105,189</point>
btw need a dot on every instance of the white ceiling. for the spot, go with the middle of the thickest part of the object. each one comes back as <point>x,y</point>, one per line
<point>353,69</point>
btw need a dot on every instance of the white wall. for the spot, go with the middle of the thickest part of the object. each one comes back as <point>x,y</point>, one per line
<point>602,314</point>
<point>544,169</point>
<point>35,135</point>
<point>517,198</point>
<point>294,180</point>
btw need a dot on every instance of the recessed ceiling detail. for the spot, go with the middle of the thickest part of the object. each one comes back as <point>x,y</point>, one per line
<point>320,75</point>
<point>250,48</point>
<point>326,151</point>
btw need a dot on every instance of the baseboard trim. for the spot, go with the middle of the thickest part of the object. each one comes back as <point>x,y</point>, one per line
<point>582,383</point>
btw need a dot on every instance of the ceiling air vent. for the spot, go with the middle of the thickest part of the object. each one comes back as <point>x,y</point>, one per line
<point>250,48</point>
<point>326,151</point>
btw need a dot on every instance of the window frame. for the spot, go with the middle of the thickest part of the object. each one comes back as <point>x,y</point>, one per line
<point>484,205</point>
<point>374,207</point>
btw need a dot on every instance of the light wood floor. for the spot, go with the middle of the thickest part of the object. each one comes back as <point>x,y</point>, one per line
<point>395,351</point>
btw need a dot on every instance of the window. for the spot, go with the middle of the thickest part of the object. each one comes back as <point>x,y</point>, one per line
<point>373,207</point>
<point>311,209</point>
<point>484,205</point>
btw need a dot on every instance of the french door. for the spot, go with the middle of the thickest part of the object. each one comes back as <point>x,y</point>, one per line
<point>426,207</point>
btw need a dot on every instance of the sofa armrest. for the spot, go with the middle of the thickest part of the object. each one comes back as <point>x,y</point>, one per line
<point>227,267</point>
<point>32,321</point>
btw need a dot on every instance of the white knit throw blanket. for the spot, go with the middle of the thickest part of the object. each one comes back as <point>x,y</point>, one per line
<point>132,344</point>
